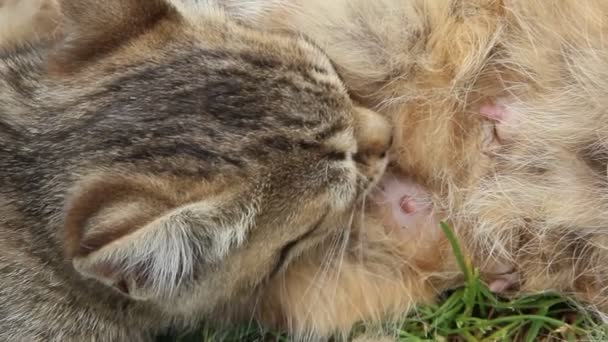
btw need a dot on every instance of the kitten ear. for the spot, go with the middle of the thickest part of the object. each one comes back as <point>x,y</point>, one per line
<point>93,28</point>
<point>135,238</point>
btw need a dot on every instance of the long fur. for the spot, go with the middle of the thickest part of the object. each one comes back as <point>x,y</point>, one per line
<point>536,198</point>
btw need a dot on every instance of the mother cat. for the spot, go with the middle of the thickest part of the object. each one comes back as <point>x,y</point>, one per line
<point>156,168</point>
<point>501,114</point>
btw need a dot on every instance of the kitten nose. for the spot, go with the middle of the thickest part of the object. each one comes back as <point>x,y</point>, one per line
<point>374,137</point>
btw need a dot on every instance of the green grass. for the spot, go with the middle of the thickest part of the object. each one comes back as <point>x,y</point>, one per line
<point>470,313</point>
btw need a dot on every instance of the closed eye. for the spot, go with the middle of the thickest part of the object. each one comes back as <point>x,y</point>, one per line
<point>336,155</point>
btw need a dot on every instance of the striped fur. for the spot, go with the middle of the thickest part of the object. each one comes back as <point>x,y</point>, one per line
<point>156,168</point>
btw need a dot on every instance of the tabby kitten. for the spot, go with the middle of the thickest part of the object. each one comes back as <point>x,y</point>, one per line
<point>157,167</point>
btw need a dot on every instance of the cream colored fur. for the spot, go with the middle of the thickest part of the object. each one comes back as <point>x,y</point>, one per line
<point>534,194</point>
<point>23,21</point>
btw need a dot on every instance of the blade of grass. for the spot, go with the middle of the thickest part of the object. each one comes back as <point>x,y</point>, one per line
<point>503,333</point>
<point>509,319</point>
<point>463,262</point>
<point>536,325</point>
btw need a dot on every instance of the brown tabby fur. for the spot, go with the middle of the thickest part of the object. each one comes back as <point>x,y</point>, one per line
<point>157,169</point>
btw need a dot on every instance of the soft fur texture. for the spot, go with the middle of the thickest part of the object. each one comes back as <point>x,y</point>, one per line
<point>156,168</point>
<point>500,113</point>
<point>26,21</point>
<point>526,188</point>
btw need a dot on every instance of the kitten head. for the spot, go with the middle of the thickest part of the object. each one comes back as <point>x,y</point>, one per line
<point>198,157</point>
<point>413,61</point>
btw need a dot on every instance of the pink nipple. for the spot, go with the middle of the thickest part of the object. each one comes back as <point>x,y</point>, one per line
<point>494,112</point>
<point>407,205</point>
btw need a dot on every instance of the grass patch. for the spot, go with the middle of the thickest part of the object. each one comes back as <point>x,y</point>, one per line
<point>473,313</point>
<point>469,313</point>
